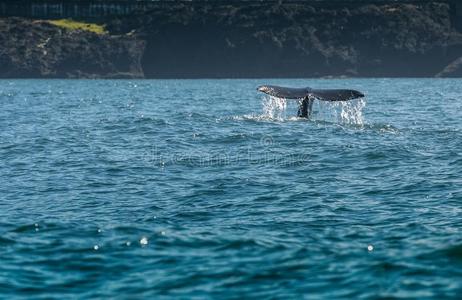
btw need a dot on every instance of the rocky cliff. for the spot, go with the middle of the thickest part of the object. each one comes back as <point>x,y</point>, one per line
<point>181,40</point>
<point>37,49</point>
<point>296,40</point>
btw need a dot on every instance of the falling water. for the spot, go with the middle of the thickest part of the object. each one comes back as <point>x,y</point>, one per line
<point>345,112</point>
<point>274,108</point>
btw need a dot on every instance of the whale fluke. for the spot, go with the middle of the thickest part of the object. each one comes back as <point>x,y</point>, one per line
<point>302,93</point>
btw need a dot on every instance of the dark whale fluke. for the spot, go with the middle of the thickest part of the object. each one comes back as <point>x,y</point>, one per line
<point>307,95</point>
<point>301,93</point>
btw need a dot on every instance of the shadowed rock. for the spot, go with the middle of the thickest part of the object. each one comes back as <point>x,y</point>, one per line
<point>38,49</point>
<point>258,39</point>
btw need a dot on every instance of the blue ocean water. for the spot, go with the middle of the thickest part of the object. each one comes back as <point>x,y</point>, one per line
<point>207,189</point>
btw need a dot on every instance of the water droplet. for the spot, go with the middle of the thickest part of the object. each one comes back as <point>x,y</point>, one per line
<point>95,247</point>
<point>100,230</point>
<point>370,248</point>
<point>144,241</point>
<point>274,107</point>
<point>128,244</point>
<point>162,232</point>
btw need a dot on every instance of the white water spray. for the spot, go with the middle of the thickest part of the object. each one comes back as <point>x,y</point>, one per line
<point>274,108</point>
<point>345,112</point>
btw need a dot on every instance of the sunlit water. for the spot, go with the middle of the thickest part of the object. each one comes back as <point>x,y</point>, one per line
<point>207,189</point>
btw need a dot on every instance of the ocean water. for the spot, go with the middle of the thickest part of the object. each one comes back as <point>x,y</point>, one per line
<point>208,189</point>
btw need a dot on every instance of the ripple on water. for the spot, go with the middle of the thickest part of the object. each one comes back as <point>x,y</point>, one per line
<point>120,189</point>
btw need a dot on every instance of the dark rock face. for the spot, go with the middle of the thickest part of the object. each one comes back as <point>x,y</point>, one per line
<point>295,40</point>
<point>257,39</point>
<point>36,49</point>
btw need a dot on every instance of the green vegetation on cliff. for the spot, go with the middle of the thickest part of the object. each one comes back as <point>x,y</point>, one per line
<point>38,49</point>
<point>77,25</point>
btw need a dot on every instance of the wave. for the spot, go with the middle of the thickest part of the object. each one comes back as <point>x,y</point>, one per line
<point>452,253</point>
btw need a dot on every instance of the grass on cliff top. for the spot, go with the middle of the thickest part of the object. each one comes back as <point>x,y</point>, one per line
<point>76,25</point>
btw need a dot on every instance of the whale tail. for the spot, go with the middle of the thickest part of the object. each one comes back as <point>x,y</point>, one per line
<point>302,93</point>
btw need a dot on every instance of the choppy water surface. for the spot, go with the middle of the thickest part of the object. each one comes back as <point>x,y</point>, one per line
<point>206,189</point>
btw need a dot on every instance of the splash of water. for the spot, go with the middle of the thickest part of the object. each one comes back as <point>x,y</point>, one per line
<point>274,108</point>
<point>344,112</point>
